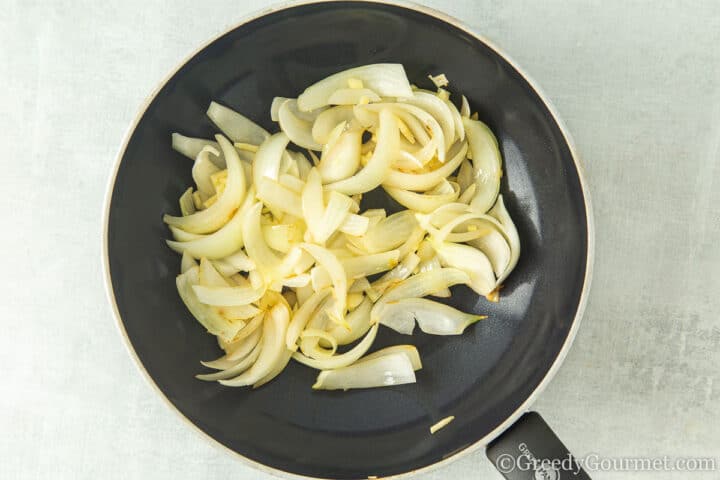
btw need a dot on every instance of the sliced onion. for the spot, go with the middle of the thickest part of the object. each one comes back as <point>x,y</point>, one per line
<point>240,350</point>
<point>257,249</point>
<point>500,213</point>
<point>275,107</point>
<point>272,350</point>
<point>237,127</point>
<point>374,173</point>
<point>432,317</point>
<point>426,180</point>
<point>352,96</point>
<point>298,130</point>
<point>268,159</point>
<point>214,217</point>
<point>355,225</point>
<point>279,197</point>
<point>486,164</point>
<point>385,371</point>
<point>402,271</point>
<point>209,317</point>
<point>187,262</point>
<point>471,260</point>
<point>337,273</point>
<point>238,368</point>
<point>218,244</point>
<point>389,233</point>
<point>423,202</point>
<point>203,168</point>
<point>302,316</point>
<point>410,351</point>
<point>359,322</point>
<point>425,283</point>
<point>191,147</point>
<point>437,108</point>
<point>342,159</point>
<point>227,296</point>
<point>328,120</point>
<point>343,359</point>
<point>386,79</point>
<point>362,266</point>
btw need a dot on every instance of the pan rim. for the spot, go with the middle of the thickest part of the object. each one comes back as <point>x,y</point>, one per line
<point>590,247</point>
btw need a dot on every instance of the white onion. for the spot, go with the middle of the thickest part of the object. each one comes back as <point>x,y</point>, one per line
<point>386,79</point>
<point>214,217</point>
<point>284,246</point>
<point>387,370</point>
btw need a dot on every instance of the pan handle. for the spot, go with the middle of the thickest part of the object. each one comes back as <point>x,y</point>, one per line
<point>530,450</point>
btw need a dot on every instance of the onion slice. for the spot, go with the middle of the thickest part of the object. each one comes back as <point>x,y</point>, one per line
<point>385,371</point>
<point>385,79</point>
<point>214,217</point>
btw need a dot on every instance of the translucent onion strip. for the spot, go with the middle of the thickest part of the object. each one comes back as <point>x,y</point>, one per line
<point>385,371</point>
<point>236,126</point>
<point>377,168</point>
<point>385,79</point>
<point>343,359</point>
<point>214,217</point>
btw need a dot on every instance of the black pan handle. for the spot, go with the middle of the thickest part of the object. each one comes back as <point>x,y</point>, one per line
<point>530,450</point>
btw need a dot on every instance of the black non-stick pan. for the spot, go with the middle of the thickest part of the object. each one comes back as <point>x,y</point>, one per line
<point>486,378</point>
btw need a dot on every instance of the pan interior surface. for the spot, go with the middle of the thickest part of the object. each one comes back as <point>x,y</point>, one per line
<point>481,377</point>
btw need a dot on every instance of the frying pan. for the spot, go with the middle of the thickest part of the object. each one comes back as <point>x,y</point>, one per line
<point>487,378</point>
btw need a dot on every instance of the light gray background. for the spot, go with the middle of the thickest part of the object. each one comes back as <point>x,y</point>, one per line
<point>638,83</point>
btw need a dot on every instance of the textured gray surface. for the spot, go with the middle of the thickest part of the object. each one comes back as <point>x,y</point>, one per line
<point>638,84</point>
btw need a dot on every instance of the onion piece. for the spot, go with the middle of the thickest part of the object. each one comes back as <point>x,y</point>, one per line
<point>362,266</point>
<point>280,365</point>
<point>342,159</point>
<point>438,109</point>
<point>337,273</point>
<point>240,312</point>
<point>257,249</point>
<point>328,120</point>
<point>275,107</point>
<point>298,130</point>
<point>272,350</point>
<point>218,244</point>
<point>268,159</point>
<point>402,271</point>
<point>374,173</point>
<point>355,225</point>
<point>241,349</point>
<point>359,322</point>
<point>343,359</point>
<point>237,369</point>
<point>426,180</point>
<point>501,214</point>
<point>486,164</point>
<point>237,127</point>
<point>214,217</point>
<point>410,351</point>
<point>279,197</point>
<point>389,233</point>
<point>203,168</point>
<point>386,79</point>
<point>187,262</point>
<point>227,296</point>
<point>423,202</point>
<point>191,146</point>
<point>206,315</point>
<point>471,260</point>
<point>423,284</point>
<point>465,108</point>
<point>432,317</point>
<point>387,370</point>
<point>302,316</point>
<point>496,248</point>
<point>352,96</point>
